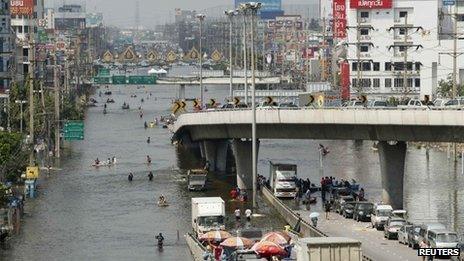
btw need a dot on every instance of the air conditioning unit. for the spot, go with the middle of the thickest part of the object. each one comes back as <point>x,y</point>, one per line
<point>365,37</point>
<point>363,20</point>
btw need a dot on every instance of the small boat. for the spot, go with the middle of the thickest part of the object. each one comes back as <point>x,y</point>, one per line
<point>104,111</point>
<point>125,106</point>
<point>109,101</point>
<point>162,204</point>
<point>108,93</point>
<point>152,125</point>
<point>102,164</point>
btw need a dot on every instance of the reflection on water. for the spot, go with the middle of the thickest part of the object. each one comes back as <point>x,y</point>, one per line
<point>84,213</point>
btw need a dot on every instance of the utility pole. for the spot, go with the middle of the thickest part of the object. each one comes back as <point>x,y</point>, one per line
<point>31,86</point>
<point>405,53</point>
<point>201,17</point>
<point>57,109</point>
<point>230,14</point>
<point>245,62</point>
<point>324,58</point>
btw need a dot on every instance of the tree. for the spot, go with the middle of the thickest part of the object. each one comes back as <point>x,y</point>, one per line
<point>314,25</point>
<point>445,88</point>
<point>13,156</point>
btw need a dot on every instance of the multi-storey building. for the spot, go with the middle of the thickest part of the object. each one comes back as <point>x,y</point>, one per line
<point>392,42</point>
<point>6,46</point>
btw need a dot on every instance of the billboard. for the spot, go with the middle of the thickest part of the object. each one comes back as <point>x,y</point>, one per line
<point>339,19</point>
<point>371,4</point>
<point>268,5</point>
<point>22,7</point>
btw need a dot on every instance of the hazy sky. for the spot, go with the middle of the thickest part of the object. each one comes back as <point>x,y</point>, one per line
<point>122,12</point>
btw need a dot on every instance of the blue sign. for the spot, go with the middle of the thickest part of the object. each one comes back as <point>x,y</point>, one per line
<point>268,5</point>
<point>449,2</point>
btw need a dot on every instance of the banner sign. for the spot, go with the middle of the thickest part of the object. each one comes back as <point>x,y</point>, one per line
<point>371,4</point>
<point>21,7</point>
<point>339,19</point>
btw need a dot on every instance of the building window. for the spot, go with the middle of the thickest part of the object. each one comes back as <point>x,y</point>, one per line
<point>401,48</point>
<point>26,29</point>
<point>35,15</point>
<point>20,29</point>
<point>409,66</point>
<point>364,48</point>
<point>398,66</point>
<point>388,83</point>
<point>409,81</point>
<point>399,83</point>
<point>403,14</point>
<point>366,66</point>
<point>364,31</point>
<point>417,82</point>
<point>376,83</point>
<point>354,66</point>
<point>364,15</point>
<point>376,67</point>
<point>402,31</point>
<point>388,66</point>
<point>418,66</point>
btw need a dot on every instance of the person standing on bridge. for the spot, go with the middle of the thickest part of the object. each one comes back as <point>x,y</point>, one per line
<point>327,207</point>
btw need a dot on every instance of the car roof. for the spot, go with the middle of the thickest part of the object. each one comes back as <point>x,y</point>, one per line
<point>442,231</point>
<point>384,207</point>
<point>397,219</point>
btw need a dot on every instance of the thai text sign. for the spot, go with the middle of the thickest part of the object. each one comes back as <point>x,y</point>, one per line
<point>22,7</point>
<point>339,19</point>
<point>370,4</point>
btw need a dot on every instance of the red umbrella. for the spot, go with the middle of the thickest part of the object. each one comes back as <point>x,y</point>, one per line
<point>215,236</point>
<point>279,238</point>
<point>237,243</point>
<point>268,249</point>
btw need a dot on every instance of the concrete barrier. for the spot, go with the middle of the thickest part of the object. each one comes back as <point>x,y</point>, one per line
<point>196,248</point>
<point>292,218</point>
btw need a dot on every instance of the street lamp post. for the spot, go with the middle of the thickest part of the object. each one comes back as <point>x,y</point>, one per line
<point>201,18</point>
<point>231,14</point>
<point>21,102</point>
<point>253,7</point>
<point>243,9</point>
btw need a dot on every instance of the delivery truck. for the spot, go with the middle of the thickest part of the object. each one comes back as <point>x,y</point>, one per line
<point>208,214</point>
<point>283,180</point>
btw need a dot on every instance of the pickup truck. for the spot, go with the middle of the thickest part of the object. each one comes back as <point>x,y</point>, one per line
<point>416,104</point>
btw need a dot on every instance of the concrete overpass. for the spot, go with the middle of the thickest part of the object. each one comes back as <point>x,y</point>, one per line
<point>392,128</point>
<point>216,80</point>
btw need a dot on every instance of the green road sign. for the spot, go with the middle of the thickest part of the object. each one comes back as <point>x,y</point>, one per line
<point>142,79</point>
<point>119,79</point>
<point>102,80</point>
<point>75,135</point>
<point>104,72</point>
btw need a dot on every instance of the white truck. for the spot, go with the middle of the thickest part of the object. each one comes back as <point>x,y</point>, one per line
<point>208,214</point>
<point>328,249</point>
<point>283,180</point>
<point>416,104</point>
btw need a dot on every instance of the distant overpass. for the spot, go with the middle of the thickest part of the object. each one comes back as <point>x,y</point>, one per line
<point>392,128</point>
<point>216,80</point>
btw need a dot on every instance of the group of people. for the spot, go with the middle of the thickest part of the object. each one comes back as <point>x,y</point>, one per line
<point>238,213</point>
<point>109,161</point>
<point>238,194</point>
<point>262,182</point>
<point>150,176</point>
<point>328,183</point>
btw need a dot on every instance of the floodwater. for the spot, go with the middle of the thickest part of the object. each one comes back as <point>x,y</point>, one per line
<point>84,213</point>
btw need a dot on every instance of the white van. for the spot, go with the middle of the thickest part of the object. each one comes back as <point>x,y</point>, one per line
<point>380,215</point>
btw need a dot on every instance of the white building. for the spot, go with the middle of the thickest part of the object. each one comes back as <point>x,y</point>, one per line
<point>383,46</point>
<point>24,26</point>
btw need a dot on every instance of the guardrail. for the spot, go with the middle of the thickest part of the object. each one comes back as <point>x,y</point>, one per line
<point>196,248</point>
<point>328,108</point>
<point>292,218</point>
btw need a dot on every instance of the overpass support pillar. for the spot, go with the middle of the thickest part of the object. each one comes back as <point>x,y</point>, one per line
<point>221,155</point>
<point>243,160</point>
<point>210,153</point>
<point>392,162</point>
<point>181,94</point>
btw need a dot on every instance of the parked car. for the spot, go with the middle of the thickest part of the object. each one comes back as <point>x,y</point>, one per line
<point>457,103</point>
<point>416,104</point>
<point>339,203</point>
<point>424,231</point>
<point>363,211</point>
<point>355,104</point>
<point>380,215</point>
<point>348,209</point>
<point>400,213</point>
<point>392,226</point>
<point>440,102</point>
<point>377,104</point>
<point>403,234</point>
<point>413,237</point>
<point>442,238</point>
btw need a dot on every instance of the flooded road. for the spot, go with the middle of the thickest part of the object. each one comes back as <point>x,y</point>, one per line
<point>84,213</point>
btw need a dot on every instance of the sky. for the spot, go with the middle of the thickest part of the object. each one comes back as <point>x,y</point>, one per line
<point>122,12</point>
